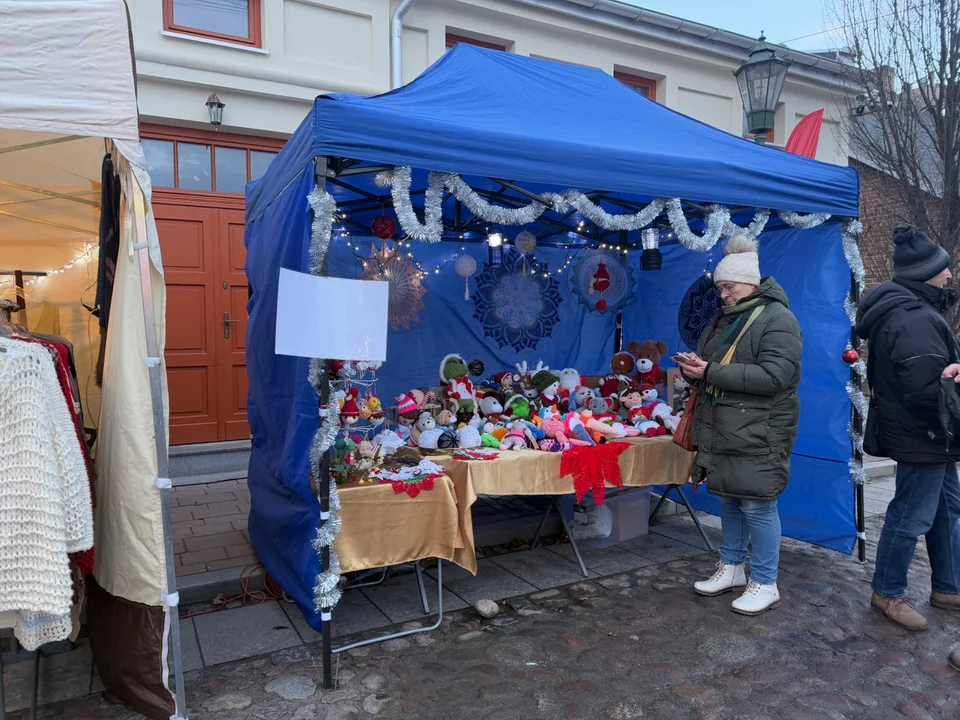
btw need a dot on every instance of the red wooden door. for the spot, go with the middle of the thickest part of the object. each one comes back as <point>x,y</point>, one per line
<point>233,382</point>
<point>188,244</point>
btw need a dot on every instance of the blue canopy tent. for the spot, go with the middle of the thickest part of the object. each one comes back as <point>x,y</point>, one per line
<point>515,128</point>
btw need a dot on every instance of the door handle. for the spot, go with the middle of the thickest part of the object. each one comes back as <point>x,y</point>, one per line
<point>227,322</point>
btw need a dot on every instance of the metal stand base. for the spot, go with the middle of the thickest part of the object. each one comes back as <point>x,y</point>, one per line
<point>426,609</point>
<point>34,691</point>
<point>554,504</point>
<point>683,499</point>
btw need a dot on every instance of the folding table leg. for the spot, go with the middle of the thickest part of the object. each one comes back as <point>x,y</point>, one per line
<point>573,540</point>
<point>696,520</point>
<point>423,589</point>
<point>405,633</point>
<point>543,520</point>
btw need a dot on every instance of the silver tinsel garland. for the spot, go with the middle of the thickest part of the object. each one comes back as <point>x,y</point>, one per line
<point>858,399</point>
<point>327,593</point>
<point>803,222</point>
<point>851,250</point>
<point>850,307</point>
<point>857,473</point>
<point>597,215</point>
<point>324,207</point>
<point>716,222</point>
<point>489,212</point>
<point>752,230</point>
<point>431,229</point>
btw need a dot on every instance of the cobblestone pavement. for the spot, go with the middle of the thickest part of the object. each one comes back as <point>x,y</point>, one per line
<point>636,645</point>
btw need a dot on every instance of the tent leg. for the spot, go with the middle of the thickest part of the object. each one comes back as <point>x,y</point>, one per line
<point>3,697</point>
<point>35,688</point>
<point>861,526</point>
<point>155,365</point>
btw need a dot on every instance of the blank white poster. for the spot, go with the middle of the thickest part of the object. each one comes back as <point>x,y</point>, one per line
<point>333,318</point>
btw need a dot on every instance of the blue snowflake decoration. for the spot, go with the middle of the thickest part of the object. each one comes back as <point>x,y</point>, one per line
<point>618,290</point>
<point>700,305</point>
<point>517,309</point>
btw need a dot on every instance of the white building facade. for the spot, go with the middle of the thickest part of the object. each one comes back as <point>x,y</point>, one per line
<point>266,60</point>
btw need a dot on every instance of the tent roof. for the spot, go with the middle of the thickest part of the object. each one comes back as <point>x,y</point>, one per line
<point>498,115</point>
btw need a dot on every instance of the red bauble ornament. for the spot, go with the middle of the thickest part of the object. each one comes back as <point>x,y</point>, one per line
<point>383,227</point>
<point>601,305</point>
<point>851,356</point>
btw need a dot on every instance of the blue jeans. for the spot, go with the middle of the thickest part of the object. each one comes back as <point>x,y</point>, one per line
<point>756,522</point>
<point>926,502</point>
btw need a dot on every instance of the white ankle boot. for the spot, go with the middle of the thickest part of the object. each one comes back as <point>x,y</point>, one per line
<point>725,579</point>
<point>757,599</point>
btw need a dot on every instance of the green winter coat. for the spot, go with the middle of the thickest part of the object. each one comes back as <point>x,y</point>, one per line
<point>745,422</point>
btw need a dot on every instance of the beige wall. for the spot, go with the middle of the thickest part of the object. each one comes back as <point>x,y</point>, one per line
<point>315,46</point>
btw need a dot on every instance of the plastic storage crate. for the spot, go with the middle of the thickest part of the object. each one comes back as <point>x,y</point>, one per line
<point>630,511</point>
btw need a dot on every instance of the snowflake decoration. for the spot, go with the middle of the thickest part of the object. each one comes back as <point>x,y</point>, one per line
<point>517,310</point>
<point>622,282</point>
<point>700,305</point>
<point>406,290</point>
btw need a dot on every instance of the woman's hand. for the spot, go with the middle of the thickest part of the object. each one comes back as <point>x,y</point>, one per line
<point>694,367</point>
<point>952,371</point>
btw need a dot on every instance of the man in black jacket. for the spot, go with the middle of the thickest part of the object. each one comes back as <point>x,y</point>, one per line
<point>911,348</point>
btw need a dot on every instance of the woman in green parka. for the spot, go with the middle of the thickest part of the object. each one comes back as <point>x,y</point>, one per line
<point>747,369</point>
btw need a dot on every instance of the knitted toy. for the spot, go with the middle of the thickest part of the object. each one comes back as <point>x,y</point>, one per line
<point>350,412</point>
<point>581,398</point>
<point>601,431</point>
<point>458,391</point>
<point>408,410</point>
<point>491,405</point>
<point>427,432</point>
<point>517,407</point>
<point>547,385</point>
<point>504,381</point>
<point>632,399</point>
<point>377,415</point>
<point>517,437</point>
<point>468,436</point>
<point>524,378</point>
<point>574,428</point>
<point>569,382</point>
<point>446,419</point>
<point>655,409</point>
<point>649,354</point>
<point>681,394</point>
<point>555,430</point>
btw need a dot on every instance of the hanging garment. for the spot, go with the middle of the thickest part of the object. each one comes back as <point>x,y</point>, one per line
<point>45,509</point>
<point>109,237</point>
<point>61,358</point>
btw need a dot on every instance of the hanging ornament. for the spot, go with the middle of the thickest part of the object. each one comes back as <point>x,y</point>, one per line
<point>526,243</point>
<point>465,266</point>
<point>383,227</point>
<point>601,282</point>
<point>850,356</point>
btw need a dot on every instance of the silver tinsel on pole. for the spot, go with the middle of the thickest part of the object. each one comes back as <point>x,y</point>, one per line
<point>324,207</point>
<point>851,250</point>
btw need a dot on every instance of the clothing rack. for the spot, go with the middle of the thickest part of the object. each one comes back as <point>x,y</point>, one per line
<point>18,276</point>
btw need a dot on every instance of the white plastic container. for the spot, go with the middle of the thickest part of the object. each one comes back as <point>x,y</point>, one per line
<point>630,510</point>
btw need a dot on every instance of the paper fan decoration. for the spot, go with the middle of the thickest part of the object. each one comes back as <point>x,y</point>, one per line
<point>406,291</point>
<point>700,305</point>
<point>516,310</point>
<point>466,266</point>
<point>602,282</point>
<point>525,242</point>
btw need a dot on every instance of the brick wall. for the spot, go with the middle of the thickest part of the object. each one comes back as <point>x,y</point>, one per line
<point>210,527</point>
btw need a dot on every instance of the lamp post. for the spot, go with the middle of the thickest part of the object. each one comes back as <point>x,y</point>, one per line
<point>760,78</point>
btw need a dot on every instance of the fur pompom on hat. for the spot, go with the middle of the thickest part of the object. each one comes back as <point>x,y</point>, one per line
<point>741,263</point>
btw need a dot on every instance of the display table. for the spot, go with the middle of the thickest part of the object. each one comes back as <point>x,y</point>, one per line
<point>382,528</point>
<point>648,462</point>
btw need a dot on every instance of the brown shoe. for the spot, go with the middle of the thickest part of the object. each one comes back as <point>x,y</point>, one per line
<point>954,660</point>
<point>900,612</point>
<point>944,601</point>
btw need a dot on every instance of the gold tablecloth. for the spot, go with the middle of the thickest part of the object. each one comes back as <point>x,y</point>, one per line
<point>648,462</point>
<point>382,528</point>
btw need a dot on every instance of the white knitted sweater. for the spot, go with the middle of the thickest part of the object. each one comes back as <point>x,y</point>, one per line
<point>45,509</point>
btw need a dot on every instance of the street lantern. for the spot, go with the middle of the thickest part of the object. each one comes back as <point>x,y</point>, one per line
<point>761,78</point>
<point>215,108</point>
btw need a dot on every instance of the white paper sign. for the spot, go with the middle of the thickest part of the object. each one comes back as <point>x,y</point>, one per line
<point>325,317</point>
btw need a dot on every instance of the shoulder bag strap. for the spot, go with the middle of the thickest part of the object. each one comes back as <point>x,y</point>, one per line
<point>743,331</point>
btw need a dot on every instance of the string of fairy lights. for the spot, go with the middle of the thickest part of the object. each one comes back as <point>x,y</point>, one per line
<point>79,260</point>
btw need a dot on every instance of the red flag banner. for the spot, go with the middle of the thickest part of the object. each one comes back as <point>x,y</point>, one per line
<point>806,135</point>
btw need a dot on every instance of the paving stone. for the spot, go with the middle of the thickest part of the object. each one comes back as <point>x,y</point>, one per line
<point>660,549</point>
<point>491,582</point>
<point>541,568</point>
<point>292,687</point>
<point>353,614</point>
<point>228,701</point>
<point>602,561</point>
<point>62,676</point>
<point>244,632</point>
<point>399,598</point>
<point>190,646</point>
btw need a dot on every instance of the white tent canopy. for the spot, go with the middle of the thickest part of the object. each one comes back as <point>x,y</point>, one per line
<point>68,97</point>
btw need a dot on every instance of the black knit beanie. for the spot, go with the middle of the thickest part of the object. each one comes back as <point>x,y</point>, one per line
<point>915,256</point>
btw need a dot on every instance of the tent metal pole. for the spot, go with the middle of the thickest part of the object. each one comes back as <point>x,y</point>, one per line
<point>323,482</point>
<point>858,450</point>
<point>156,369</point>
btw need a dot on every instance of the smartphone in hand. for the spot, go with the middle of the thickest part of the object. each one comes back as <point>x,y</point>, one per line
<point>680,358</point>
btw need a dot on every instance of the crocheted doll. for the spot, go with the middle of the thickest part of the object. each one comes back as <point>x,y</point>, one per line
<point>458,392</point>
<point>655,409</point>
<point>517,437</point>
<point>350,412</point>
<point>547,384</point>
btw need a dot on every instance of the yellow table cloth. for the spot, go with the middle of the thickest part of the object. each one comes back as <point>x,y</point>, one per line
<point>381,527</point>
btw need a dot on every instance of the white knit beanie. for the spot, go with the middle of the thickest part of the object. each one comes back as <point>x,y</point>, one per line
<point>741,264</point>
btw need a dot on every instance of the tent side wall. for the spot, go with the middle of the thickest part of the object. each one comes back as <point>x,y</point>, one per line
<point>283,408</point>
<point>818,506</point>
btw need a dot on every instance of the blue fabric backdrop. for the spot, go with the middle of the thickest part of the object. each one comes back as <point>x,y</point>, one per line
<point>818,506</point>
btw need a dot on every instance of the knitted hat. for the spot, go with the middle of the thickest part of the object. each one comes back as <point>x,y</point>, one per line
<point>741,263</point>
<point>544,379</point>
<point>406,404</point>
<point>915,256</point>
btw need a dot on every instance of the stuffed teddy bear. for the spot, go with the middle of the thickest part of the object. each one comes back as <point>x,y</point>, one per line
<point>458,391</point>
<point>623,363</point>
<point>648,354</point>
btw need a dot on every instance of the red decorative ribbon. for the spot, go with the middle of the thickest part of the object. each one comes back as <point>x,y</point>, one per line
<point>468,455</point>
<point>414,486</point>
<point>592,468</point>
